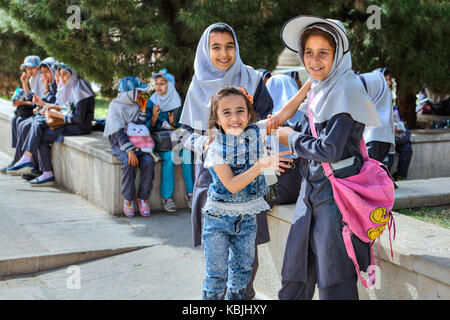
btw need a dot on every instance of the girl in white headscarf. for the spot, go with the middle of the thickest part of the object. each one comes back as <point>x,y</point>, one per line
<point>164,111</point>
<point>379,140</point>
<point>76,96</point>
<point>126,108</point>
<point>315,251</point>
<point>218,64</point>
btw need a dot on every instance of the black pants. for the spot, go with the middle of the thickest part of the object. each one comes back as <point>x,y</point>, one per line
<point>299,290</point>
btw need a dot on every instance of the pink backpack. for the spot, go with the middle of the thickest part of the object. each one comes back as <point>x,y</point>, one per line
<point>365,201</point>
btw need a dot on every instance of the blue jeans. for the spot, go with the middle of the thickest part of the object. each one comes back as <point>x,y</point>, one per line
<point>229,248</point>
<point>168,175</point>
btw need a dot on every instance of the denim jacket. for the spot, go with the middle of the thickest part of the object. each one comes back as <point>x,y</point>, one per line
<point>240,153</point>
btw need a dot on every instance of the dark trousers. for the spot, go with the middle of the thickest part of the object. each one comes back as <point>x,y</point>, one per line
<point>146,165</point>
<point>404,152</point>
<point>39,141</point>
<point>15,121</point>
<point>22,133</point>
<point>299,290</point>
<point>378,150</point>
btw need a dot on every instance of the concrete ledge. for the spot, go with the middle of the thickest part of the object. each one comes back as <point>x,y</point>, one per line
<point>33,264</point>
<point>431,151</point>
<point>422,193</point>
<point>420,268</point>
<point>85,165</point>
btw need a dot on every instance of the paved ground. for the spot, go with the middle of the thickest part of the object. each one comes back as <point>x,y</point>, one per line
<point>44,231</point>
<point>45,227</point>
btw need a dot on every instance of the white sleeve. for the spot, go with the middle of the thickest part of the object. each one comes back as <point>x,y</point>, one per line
<point>213,158</point>
<point>261,124</point>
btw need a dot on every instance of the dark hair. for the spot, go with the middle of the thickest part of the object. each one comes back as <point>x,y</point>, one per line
<point>222,28</point>
<point>316,31</point>
<point>224,92</point>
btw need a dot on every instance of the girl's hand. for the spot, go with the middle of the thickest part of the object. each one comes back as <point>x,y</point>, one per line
<point>276,161</point>
<point>172,118</point>
<point>132,159</point>
<point>156,111</point>
<point>37,100</point>
<point>24,78</point>
<point>307,85</point>
<point>283,135</point>
<point>272,124</point>
<point>142,102</point>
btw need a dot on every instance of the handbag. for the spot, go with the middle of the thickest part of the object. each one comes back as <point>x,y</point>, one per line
<point>54,123</point>
<point>163,140</point>
<point>365,201</point>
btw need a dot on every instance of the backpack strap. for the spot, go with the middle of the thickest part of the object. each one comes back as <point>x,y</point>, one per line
<point>346,235</point>
<point>326,166</point>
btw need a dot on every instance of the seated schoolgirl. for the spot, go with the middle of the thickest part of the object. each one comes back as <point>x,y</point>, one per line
<point>75,108</point>
<point>129,106</point>
<point>47,70</point>
<point>163,113</point>
<point>31,85</point>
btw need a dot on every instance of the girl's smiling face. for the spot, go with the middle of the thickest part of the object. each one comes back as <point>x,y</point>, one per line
<point>232,114</point>
<point>65,75</point>
<point>46,74</point>
<point>222,50</point>
<point>318,56</point>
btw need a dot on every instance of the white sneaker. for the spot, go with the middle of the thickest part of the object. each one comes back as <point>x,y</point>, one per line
<point>188,197</point>
<point>169,205</point>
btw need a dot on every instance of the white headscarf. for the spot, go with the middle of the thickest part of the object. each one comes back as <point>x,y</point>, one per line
<point>75,90</point>
<point>36,85</point>
<point>122,110</point>
<point>169,101</point>
<point>282,88</point>
<point>379,92</point>
<point>208,79</point>
<point>341,91</point>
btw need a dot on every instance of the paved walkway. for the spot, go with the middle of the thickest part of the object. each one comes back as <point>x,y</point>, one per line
<point>42,228</point>
<point>43,231</point>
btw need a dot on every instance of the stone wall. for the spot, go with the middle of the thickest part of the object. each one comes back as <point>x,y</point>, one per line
<point>420,268</point>
<point>85,165</point>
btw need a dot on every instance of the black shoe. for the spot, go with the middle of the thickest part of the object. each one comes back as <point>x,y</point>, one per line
<point>30,176</point>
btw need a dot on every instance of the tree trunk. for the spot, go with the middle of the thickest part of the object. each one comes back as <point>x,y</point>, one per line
<point>406,102</point>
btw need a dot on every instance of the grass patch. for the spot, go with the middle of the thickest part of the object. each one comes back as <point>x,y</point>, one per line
<point>101,107</point>
<point>436,215</point>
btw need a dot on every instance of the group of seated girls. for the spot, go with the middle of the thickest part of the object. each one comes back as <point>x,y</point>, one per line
<point>54,102</point>
<point>130,120</point>
<point>52,92</point>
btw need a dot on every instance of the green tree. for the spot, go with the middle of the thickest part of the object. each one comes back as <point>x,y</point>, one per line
<point>412,42</point>
<point>15,47</point>
<point>119,38</point>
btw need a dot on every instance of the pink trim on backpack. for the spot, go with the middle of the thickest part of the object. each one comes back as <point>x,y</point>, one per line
<point>365,201</point>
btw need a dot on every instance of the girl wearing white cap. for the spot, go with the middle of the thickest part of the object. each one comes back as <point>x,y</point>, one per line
<point>315,251</point>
